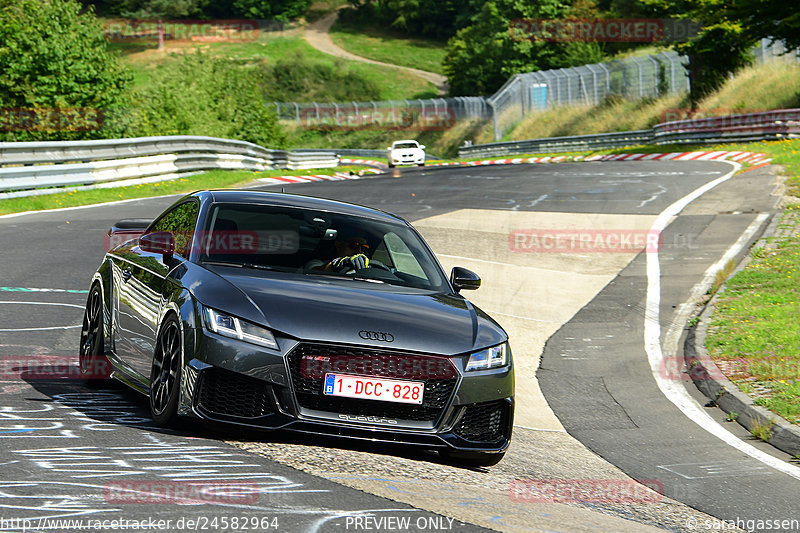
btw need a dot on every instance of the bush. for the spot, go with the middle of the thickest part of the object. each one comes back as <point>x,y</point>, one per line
<point>199,94</point>
<point>54,56</point>
<point>295,79</point>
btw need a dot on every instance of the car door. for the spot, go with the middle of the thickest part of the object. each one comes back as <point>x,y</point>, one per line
<point>141,280</point>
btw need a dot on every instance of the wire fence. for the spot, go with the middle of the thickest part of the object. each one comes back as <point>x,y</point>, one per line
<point>418,114</point>
<point>634,77</point>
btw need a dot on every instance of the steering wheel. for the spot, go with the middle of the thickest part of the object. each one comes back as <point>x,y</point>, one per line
<point>378,264</point>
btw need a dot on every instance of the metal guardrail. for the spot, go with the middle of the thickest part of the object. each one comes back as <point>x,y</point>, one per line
<point>28,165</point>
<point>365,153</point>
<point>770,125</point>
<point>558,144</point>
<point>349,152</point>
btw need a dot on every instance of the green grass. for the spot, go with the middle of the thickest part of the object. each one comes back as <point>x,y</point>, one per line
<point>375,42</point>
<point>267,49</point>
<point>785,153</point>
<point>210,180</point>
<point>756,324</point>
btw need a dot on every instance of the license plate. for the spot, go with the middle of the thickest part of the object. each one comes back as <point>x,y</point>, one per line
<point>372,388</point>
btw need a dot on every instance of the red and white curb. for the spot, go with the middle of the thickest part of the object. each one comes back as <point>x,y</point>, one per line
<point>339,176</point>
<point>751,158</point>
<point>365,162</point>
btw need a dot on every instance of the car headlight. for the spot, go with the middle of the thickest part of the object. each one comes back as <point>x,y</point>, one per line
<point>493,357</point>
<point>236,328</point>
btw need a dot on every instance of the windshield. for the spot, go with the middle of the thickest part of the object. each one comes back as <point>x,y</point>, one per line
<point>405,145</point>
<point>315,243</point>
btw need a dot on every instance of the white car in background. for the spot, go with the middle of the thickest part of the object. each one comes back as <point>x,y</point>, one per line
<point>406,152</point>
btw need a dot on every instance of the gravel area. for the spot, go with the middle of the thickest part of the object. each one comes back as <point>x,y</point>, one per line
<point>481,495</point>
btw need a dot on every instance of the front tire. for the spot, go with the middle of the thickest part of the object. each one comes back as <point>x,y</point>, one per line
<point>165,375</point>
<point>95,368</point>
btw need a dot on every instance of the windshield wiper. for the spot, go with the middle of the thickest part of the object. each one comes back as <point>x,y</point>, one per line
<point>241,265</point>
<point>369,280</point>
<point>260,267</point>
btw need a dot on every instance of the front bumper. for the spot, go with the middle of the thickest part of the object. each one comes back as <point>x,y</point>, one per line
<point>233,382</point>
<point>407,159</point>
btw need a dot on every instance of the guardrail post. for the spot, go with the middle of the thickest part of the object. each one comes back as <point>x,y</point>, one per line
<point>494,120</point>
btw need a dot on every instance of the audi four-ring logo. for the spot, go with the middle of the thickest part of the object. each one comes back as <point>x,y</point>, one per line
<point>375,336</point>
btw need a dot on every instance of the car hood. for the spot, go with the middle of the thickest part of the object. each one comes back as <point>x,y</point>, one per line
<point>320,309</point>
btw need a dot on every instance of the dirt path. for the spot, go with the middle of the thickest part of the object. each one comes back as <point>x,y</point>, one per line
<point>317,36</point>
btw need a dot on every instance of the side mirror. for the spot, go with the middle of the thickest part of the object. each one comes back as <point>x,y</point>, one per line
<point>131,224</point>
<point>124,231</point>
<point>158,242</point>
<point>463,279</point>
<point>421,146</point>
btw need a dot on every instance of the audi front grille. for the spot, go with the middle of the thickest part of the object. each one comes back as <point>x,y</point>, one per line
<point>308,364</point>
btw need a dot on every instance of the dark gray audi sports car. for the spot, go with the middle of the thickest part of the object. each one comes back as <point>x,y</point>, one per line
<point>278,311</point>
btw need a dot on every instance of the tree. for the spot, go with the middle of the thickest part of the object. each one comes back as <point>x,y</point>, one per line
<point>774,19</point>
<point>54,56</point>
<point>722,46</point>
<point>436,19</point>
<point>282,10</point>
<point>483,55</point>
<point>152,9</point>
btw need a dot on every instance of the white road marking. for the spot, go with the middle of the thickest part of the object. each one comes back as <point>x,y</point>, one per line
<point>673,389</point>
<point>14,215</point>
<point>540,199</point>
<point>8,330</point>
<point>31,289</point>
<point>661,191</point>
<point>706,470</point>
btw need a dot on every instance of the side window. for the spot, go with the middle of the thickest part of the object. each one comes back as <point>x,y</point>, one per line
<point>181,223</point>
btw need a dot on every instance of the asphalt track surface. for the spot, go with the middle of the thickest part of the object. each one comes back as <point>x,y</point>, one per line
<point>66,445</point>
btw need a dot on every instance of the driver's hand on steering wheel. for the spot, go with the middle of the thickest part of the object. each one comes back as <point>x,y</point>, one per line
<point>353,262</point>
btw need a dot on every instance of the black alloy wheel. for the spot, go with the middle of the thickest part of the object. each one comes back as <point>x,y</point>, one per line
<point>165,376</point>
<point>94,366</point>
